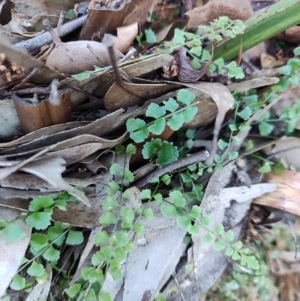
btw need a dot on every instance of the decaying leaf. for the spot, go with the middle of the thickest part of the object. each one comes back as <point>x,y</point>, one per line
<point>12,253</point>
<point>287,195</point>
<point>78,56</point>
<point>150,265</point>
<point>234,9</point>
<point>106,17</point>
<point>287,149</point>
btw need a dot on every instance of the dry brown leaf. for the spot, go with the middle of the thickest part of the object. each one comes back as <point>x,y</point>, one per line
<point>269,62</point>
<point>12,253</point>
<point>55,134</point>
<point>10,123</point>
<point>149,265</point>
<point>50,170</point>
<point>291,35</point>
<point>103,19</point>
<point>130,94</point>
<point>125,37</point>
<point>287,195</point>
<point>287,149</point>
<point>43,74</point>
<point>234,9</point>
<point>78,56</point>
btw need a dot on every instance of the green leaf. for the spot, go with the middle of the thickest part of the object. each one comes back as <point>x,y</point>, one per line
<point>235,71</point>
<point>73,290</point>
<point>167,154</point>
<point>297,51</point>
<point>39,220</point>
<point>110,203</point>
<point>265,128</point>
<point>134,124</point>
<point>175,122</point>
<point>61,204</point>
<point>86,272</point>
<point>166,179</point>
<point>148,213</point>
<point>183,222</point>
<point>222,144</point>
<point>233,155</point>
<point>81,76</point>
<point>118,254</point>
<point>151,148</point>
<point>140,135</point>
<point>101,238</point>
<point>55,233</point>
<point>107,219</point>
<point>196,50</point>
<point>90,296</point>
<point>229,251</point>
<point>155,111</point>
<point>158,126</point>
<point>40,202</point>
<point>51,254</point>
<point>150,36</point>
<point>122,238</point>
<point>185,96</point>
<point>228,236</point>
<point>38,241</point>
<point>285,70</point>
<point>219,229</point>
<point>3,223</point>
<point>158,197</point>
<point>139,229</point>
<point>171,105</point>
<point>36,269</point>
<point>237,245</point>
<point>130,149</point>
<point>102,255</point>
<point>233,127</point>
<point>245,113</point>
<point>235,256</point>
<point>219,245</point>
<point>195,212</point>
<point>193,229</point>
<point>115,273</point>
<point>112,187</point>
<point>178,36</point>
<point>265,168</point>
<point>74,238</point>
<point>128,176</point>
<point>105,297</point>
<point>12,232</point>
<point>146,194</point>
<point>168,210</point>
<point>127,214</point>
<point>18,283</point>
<point>188,113</point>
<point>207,238</point>
<point>177,198</point>
<point>115,169</point>
<point>206,220</point>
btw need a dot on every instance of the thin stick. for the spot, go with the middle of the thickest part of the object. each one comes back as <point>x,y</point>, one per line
<point>194,158</point>
<point>46,38</point>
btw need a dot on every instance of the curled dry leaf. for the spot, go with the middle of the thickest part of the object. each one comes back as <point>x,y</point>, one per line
<point>50,170</point>
<point>287,195</point>
<point>79,56</point>
<point>125,36</point>
<point>186,72</point>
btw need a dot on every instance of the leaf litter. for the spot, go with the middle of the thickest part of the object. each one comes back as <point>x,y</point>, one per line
<point>116,84</point>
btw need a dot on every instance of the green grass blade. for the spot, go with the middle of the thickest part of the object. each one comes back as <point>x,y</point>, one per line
<point>262,26</point>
